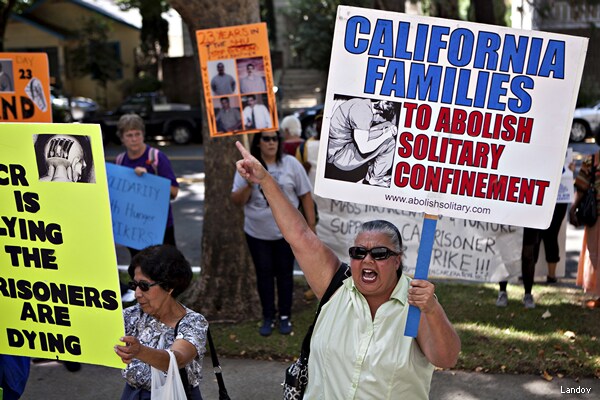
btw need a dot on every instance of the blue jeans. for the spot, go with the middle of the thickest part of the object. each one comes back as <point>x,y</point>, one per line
<point>274,263</point>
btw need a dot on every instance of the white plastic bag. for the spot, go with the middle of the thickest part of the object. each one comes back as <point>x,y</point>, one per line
<point>167,387</point>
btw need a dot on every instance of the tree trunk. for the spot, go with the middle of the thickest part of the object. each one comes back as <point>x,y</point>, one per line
<point>390,5</point>
<point>484,11</point>
<point>227,286</point>
<point>444,9</point>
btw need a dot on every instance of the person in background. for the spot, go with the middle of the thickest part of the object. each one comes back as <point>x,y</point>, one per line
<point>272,256</point>
<point>291,128</point>
<point>357,349</point>
<point>158,322</point>
<point>222,83</point>
<point>550,238</point>
<point>145,159</point>
<point>529,255</point>
<point>307,153</point>
<point>588,275</point>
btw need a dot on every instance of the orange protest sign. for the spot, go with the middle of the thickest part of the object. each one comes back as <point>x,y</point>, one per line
<point>237,78</point>
<point>25,88</point>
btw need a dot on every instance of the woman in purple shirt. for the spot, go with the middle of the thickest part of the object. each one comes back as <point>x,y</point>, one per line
<point>145,159</point>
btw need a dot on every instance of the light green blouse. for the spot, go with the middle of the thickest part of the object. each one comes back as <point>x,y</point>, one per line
<point>355,357</point>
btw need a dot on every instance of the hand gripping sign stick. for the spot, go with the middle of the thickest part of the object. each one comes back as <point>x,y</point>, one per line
<point>421,270</point>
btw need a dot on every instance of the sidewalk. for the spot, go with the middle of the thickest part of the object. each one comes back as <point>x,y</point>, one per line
<point>261,380</point>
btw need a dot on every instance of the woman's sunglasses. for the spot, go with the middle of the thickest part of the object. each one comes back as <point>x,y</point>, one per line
<point>143,285</point>
<point>377,253</point>
<point>267,139</point>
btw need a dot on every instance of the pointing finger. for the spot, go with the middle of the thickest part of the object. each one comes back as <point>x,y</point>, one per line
<point>242,149</point>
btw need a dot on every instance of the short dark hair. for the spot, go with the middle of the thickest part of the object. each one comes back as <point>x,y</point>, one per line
<point>164,264</point>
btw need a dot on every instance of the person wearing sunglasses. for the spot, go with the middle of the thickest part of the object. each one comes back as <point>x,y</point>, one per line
<point>158,275</point>
<point>358,349</point>
<point>271,254</point>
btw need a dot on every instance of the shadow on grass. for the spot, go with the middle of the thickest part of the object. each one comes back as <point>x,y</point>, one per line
<point>559,336</point>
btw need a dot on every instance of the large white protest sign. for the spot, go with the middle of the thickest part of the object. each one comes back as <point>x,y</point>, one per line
<point>447,117</point>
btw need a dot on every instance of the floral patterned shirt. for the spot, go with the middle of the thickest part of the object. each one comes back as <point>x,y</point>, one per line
<point>153,333</point>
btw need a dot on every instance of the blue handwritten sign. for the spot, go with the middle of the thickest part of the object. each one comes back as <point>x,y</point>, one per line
<point>139,206</point>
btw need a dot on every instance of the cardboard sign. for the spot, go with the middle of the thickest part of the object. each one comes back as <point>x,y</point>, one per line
<point>139,206</point>
<point>566,191</point>
<point>25,87</point>
<point>59,285</point>
<point>447,117</point>
<point>237,78</point>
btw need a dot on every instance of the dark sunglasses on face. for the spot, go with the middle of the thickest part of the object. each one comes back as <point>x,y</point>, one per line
<point>377,253</point>
<point>143,285</point>
<point>267,139</point>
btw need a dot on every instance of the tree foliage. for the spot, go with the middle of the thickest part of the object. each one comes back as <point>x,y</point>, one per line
<point>154,34</point>
<point>94,55</point>
<point>312,23</point>
<point>6,7</point>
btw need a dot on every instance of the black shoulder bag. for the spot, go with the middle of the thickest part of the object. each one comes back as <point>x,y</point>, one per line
<point>587,209</point>
<point>223,395</point>
<point>296,375</point>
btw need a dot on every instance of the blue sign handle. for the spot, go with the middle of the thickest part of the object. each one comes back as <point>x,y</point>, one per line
<point>421,270</point>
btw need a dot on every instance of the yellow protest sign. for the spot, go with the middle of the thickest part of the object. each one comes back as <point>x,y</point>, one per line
<point>237,77</point>
<point>25,87</point>
<point>59,285</point>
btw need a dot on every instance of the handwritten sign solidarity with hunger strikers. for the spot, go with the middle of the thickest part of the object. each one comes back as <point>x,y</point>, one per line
<point>447,117</point>
<point>139,206</point>
<point>235,64</point>
<point>59,285</point>
<point>25,87</point>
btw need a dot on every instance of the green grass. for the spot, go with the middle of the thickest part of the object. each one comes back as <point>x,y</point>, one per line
<point>512,340</point>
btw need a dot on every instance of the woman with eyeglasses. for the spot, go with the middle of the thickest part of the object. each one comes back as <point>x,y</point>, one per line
<point>272,256</point>
<point>158,322</point>
<point>358,349</point>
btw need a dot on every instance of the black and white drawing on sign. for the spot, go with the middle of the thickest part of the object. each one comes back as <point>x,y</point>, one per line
<point>64,158</point>
<point>362,140</point>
